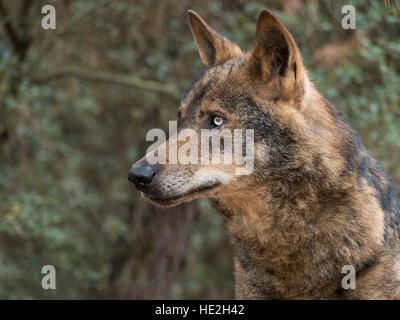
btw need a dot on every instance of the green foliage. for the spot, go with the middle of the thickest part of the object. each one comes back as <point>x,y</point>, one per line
<point>67,139</point>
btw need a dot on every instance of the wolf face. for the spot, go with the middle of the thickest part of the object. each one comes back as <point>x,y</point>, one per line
<point>265,90</point>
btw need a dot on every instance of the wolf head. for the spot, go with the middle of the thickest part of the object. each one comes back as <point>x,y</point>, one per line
<point>265,91</point>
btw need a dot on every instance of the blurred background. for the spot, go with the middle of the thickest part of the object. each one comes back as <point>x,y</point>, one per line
<point>75,106</point>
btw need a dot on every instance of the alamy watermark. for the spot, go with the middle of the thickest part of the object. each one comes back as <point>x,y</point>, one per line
<point>349,281</point>
<point>49,20</point>
<point>349,20</point>
<point>189,147</point>
<point>49,280</point>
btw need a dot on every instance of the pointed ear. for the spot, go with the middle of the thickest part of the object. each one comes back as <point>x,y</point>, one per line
<point>275,52</point>
<point>213,48</point>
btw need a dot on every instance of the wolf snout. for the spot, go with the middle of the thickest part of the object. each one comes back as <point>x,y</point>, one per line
<point>142,174</point>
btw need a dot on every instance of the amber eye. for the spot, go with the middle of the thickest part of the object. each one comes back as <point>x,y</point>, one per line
<point>217,120</point>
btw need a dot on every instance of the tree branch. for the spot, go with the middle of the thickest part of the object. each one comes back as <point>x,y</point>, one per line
<point>103,76</point>
<point>12,35</point>
<point>18,44</point>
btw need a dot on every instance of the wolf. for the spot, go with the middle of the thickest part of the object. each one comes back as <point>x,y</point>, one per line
<point>316,201</point>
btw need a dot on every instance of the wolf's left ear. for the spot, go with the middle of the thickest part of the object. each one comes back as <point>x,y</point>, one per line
<point>213,48</point>
<point>275,53</point>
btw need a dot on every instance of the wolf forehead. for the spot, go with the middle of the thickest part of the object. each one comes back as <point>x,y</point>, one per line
<point>226,89</point>
<point>222,84</point>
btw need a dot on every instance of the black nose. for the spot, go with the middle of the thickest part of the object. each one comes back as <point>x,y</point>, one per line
<point>141,174</point>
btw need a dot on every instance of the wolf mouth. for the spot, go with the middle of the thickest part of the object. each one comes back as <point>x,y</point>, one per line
<point>171,200</point>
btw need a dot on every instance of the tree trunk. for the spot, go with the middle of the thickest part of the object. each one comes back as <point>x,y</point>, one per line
<point>159,242</point>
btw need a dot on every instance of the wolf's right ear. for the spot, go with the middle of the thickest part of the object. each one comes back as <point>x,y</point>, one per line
<point>213,48</point>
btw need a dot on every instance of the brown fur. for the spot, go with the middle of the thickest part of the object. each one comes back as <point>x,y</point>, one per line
<point>316,201</point>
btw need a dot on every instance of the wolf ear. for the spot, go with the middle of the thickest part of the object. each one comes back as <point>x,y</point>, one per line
<point>213,48</point>
<point>275,52</point>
